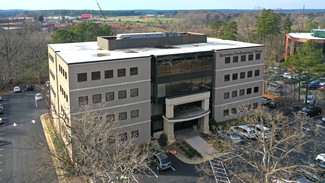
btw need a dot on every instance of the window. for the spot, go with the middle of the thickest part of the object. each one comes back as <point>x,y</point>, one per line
<point>255,105</point>
<point>227,60</point>
<point>243,58</point>
<point>242,75</point>
<point>233,110</point>
<point>235,59</point>
<point>121,72</point>
<point>234,76</point>
<point>226,95</point>
<point>51,58</point>
<point>124,136</point>
<point>241,92</point>
<point>234,94</point>
<point>95,75</point>
<point>256,89</point>
<point>258,56</point>
<point>134,71</point>
<point>108,74</point>
<point>122,116</point>
<point>97,98</point>
<point>135,134</point>
<point>65,75</point>
<point>83,100</point>
<point>98,119</point>
<point>250,57</point>
<point>109,96</point>
<point>226,112</point>
<point>257,72</point>
<point>134,113</point>
<point>249,91</point>
<point>227,77</point>
<point>110,117</point>
<point>134,92</point>
<point>82,77</point>
<point>122,94</point>
<point>249,74</point>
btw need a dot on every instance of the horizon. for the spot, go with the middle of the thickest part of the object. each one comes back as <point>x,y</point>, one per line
<point>127,5</point>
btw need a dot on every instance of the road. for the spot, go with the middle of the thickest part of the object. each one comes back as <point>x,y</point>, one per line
<point>21,159</point>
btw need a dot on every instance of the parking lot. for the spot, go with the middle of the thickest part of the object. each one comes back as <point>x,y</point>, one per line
<point>20,134</point>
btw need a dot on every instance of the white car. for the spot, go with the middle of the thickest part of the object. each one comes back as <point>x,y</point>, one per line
<point>287,75</point>
<point>259,131</point>
<point>323,118</point>
<point>17,89</point>
<point>38,96</point>
<point>244,131</point>
<point>47,84</point>
<point>320,157</point>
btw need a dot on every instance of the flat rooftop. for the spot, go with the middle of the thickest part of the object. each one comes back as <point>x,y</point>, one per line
<point>304,35</point>
<point>85,52</point>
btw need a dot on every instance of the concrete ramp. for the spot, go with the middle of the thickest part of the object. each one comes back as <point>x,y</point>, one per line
<point>201,146</point>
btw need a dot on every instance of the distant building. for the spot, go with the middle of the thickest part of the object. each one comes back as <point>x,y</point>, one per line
<point>154,83</point>
<point>86,16</point>
<point>296,40</point>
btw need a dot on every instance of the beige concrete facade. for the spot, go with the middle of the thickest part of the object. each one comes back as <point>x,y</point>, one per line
<point>170,119</point>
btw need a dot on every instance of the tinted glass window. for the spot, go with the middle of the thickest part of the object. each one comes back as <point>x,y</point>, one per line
<point>95,75</point>
<point>82,77</point>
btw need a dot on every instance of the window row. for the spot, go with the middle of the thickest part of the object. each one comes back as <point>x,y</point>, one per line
<point>96,75</point>
<point>51,58</point>
<point>234,110</point>
<point>243,58</point>
<point>124,136</point>
<point>63,93</point>
<point>52,75</point>
<point>118,116</point>
<point>241,92</point>
<point>109,96</point>
<point>241,75</point>
<point>63,72</point>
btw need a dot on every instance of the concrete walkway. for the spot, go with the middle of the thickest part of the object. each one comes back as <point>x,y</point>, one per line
<point>201,146</point>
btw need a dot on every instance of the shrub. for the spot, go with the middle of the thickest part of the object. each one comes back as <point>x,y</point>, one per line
<point>178,144</point>
<point>183,142</point>
<point>163,139</point>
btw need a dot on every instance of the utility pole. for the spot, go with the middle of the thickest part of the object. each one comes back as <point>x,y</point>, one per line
<point>101,11</point>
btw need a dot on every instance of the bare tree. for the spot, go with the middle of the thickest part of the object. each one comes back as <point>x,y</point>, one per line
<point>101,153</point>
<point>283,147</point>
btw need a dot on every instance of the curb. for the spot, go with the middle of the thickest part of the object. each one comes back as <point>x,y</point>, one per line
<point>189,161</point>
<point>59,173</point>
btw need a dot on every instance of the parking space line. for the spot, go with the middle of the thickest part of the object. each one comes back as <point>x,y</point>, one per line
<point>152,171</point>
<point>172,168</point>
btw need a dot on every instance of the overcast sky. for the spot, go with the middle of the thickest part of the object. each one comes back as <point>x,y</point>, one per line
<point>160,4</point>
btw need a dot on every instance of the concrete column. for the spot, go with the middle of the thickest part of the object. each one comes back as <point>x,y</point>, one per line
<point>204,124</point>
<point>169,111</point>
<point>169,131</point>
<point>205,104</point>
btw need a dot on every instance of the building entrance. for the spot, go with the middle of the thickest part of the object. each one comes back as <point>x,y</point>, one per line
<point>185,125</point>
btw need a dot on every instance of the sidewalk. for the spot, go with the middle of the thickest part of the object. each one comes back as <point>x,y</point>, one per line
<point>201,146</point>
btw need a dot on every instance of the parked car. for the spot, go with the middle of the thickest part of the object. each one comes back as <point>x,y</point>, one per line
<point>321,88</point>
<point>275,84</point>
<point>287,75</point>
<point>47,84</point>
<point>313,85</point>
<point>17,89</point>
<point>291,178</point>
<point>319,161</point>
<point>1,121</point>
<point>262,131</point>
<point>1,109</point>
<point>274,104</point>
<point>278,91</point>
<point>310,99</point>
<point>38,96</point>
<point>311,175</point>
<point>266,101</point>
<point>310,111</point>
<point>29,87</point>
<point>321,81</point>
<point>323,118</point>
<point>162,161</point>
<point>1,98</point>
<point>295,108</point>
<point>230,136</point>
<point>244,131</point>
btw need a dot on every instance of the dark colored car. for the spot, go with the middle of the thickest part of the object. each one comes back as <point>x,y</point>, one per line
<point>1,109</point>
<point>266,101</point>
<point>278,91</point>
<point>310,111</point>
<point>275,84</point>
<point>314,85</point>
<point>162,161</point>
<point>29,87</point>
<point>274,104</point>
<point>295,108</point>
